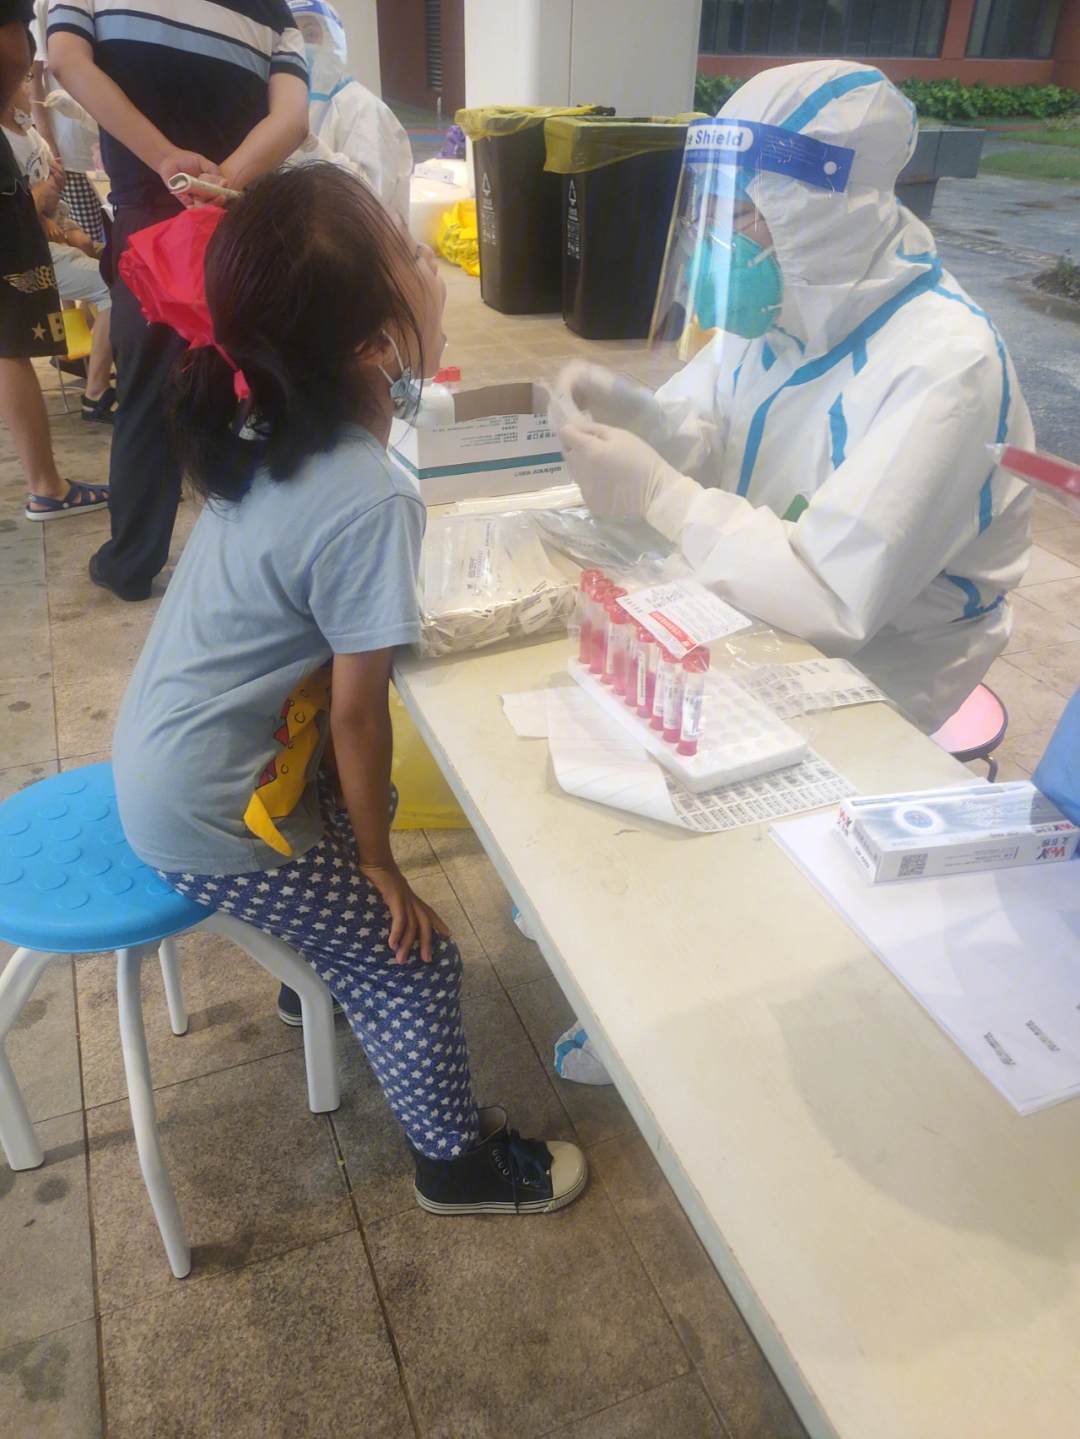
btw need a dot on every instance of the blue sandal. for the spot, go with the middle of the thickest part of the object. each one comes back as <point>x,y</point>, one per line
<point>78,498</point>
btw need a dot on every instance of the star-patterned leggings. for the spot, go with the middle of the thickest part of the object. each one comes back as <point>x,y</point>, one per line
<point>407,1017</point>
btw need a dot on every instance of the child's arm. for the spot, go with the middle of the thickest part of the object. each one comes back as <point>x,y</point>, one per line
<point>363,747</point>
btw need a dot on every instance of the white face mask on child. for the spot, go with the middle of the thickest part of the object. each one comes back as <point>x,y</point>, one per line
<point>406,390</point>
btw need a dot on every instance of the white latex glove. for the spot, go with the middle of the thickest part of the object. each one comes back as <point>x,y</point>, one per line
<point>618,474</point>
<point>609,399</point>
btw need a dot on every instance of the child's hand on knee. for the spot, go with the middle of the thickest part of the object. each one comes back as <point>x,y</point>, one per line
<point>410,918</point>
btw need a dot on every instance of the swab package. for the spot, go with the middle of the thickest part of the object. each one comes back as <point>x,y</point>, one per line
<point>486,578</point>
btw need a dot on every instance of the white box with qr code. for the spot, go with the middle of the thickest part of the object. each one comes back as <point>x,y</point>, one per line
<point>959,830</point>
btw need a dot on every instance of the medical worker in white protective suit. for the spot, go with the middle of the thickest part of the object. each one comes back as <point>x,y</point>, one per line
<point>823,461</point>
<point>347,118</point>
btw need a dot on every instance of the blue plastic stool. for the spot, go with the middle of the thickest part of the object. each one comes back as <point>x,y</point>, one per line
<point>71,884</point>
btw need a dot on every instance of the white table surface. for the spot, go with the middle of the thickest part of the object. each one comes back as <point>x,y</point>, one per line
<point>905,1247</point>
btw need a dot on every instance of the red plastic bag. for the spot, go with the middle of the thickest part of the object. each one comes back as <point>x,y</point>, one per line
<point>163,269</point>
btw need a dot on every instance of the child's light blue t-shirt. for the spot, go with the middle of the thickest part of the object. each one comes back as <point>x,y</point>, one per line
<point>222,724</point>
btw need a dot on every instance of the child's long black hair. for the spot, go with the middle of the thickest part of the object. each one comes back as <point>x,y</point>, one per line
<point>301,274</point>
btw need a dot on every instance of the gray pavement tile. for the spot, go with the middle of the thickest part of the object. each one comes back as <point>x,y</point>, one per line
<point>49,1387</point>
<point>255,1174</point>
<point>676,1410</point>
<point>43,1047</point>
<point>597,1111</point>
<point>45,1267</point>
<point>488,906</point>
<point>29,729</point>
<point>703,1312</point>
<point>412,851</point>
<point>1063,540</point>
<point>1055,665</point>
<point>232,1017</point>
<point>20,776</point>
<point>1045,566</point>
<point>1033,627</point>
<point>22,553</point>
<point>98,638</point>
<point>86,714</point>
<point>1031,706</point>
<point>294,1346</point>
<point>750,1400</point>
<point>509,1326</point>
<point>377,1161</point>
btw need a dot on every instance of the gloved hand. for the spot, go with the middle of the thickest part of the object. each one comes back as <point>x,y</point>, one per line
<point>610,399</point>
<point>617,473</point>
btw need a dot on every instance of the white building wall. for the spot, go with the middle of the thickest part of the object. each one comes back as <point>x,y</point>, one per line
<point>361,22</point>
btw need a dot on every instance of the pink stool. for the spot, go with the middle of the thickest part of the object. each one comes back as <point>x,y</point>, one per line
<point>976,729</point>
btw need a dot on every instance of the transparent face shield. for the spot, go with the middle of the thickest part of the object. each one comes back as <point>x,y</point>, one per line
<point>724,268</point>
<point>324,45</point>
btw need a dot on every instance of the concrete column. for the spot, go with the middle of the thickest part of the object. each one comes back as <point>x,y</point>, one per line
<point>362,33</point>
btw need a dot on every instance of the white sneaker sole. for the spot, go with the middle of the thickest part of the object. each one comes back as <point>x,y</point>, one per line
<point>570,1169</point>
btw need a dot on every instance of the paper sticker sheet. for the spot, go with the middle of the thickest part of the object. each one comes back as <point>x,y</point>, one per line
<point>683,614</point>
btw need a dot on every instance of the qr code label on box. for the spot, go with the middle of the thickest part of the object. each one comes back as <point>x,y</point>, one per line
<point>912,864</point>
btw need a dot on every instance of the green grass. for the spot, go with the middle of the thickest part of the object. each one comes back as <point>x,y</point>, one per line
<point>1032,165</point>
<point>1070,138</point>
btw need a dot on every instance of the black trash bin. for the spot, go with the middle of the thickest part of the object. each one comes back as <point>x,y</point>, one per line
<point>619,180</point>
<point>518,208</point>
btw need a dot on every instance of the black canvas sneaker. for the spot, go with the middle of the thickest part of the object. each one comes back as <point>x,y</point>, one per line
<point>502,1174</point>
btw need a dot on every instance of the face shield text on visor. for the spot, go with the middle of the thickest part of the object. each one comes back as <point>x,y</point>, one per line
<point>721,270</point>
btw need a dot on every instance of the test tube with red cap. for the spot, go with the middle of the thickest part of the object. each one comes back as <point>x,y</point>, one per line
<point>619,636</point>
<point>668,676</point>
<point>588,580</point>
<point>672,702</point>
<point>607,675</point>
<point>648,652</point>
<point>695,666</point>
<point>600,592</point>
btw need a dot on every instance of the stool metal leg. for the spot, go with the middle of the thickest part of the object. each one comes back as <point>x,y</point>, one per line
<point>143,1113</point>
<point>174,991</point>
<point>17,983</point>
<point>316,1006</point>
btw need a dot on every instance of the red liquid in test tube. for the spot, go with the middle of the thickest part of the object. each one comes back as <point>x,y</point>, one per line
<point>620,641</point>
<point>598,625</point>
<point>667,666</point>
<point>695,665</point>
<point>648,651</point>
<point>672,703</point>
<point>587,583</point>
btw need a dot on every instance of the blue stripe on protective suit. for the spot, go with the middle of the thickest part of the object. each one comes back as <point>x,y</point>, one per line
<point>838,431</point>
<point>1058,772</point>
<point>768,356</point>
<point>986,495</point>
<point>814,369</point>
<point>816,101</point>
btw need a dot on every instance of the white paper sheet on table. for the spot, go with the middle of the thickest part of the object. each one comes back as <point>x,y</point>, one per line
<point>993,957</point>
<point>527,712</point>
<point>595,758</point>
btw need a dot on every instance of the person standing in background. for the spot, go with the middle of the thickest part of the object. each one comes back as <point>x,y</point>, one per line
<point>63,126</point>
<point>345,116</point>
<point>229,109</point>
<point>31,323</point>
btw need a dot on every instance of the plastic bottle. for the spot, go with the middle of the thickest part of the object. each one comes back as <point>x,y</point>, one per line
<point>607,675</point>
<point>668,668</point>
<point>648,652</point>
<point>436,407</point>
<point>672,703</point>
<point>695,666</point>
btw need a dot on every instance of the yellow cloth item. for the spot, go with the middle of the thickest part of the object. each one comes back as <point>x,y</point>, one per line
<point>458,240</point>
<point>425,800</point>
<point>284,779</point>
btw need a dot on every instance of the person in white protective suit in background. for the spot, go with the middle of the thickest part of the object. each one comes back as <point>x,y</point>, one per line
<point>822,461</point>
<point>347,118</point>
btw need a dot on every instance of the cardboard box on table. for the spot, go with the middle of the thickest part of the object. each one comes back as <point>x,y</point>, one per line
<point>500,444</point>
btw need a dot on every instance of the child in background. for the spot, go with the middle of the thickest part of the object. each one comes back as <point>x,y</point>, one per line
<point>272,651</point>
<point>74,253</point>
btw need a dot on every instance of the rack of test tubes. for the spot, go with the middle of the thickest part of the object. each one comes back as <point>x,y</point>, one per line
<point>700,723</point>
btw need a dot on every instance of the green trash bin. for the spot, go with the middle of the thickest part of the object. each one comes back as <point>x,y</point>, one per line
<point>619,181</point>
<point>518,207</point>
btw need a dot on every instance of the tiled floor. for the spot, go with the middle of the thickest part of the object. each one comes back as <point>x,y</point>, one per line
<point>322,1302</point>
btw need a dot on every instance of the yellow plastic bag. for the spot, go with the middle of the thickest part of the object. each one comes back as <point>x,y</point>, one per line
<point>425,800</point>
<point>490,121</point>
<point>576,143</point>
<point>458,240</point>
